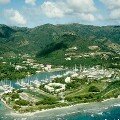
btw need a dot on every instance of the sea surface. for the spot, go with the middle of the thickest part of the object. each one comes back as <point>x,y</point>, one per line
<point>108,110</point>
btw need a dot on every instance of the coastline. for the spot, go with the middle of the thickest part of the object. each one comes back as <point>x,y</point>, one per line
<point>6,105</point>
<point>71,109</point>
<point>65,109</point>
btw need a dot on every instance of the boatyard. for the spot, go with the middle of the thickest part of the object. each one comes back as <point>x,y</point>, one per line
<point>67,87</point>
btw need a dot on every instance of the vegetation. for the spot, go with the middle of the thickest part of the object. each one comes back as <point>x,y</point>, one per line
<point>53,44</point>
<point>49,42</point>
<point>51,48</point>
<point>22,102</point>
<point>47,101</point>
<point>15,96</point>
<point>8,69</point>
<point>94,89</point>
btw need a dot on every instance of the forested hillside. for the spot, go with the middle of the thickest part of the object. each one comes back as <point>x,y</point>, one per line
<point>54,43</point>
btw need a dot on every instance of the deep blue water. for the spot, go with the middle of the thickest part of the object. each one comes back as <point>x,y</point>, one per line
<point>110,114</point>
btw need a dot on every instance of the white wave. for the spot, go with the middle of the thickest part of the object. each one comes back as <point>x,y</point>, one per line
<point>117,105</point>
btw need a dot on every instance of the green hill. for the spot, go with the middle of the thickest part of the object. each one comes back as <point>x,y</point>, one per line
<point>54,43</point>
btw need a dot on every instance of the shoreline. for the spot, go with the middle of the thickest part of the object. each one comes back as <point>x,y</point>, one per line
<point>6,105</point>
<point>70,107</point>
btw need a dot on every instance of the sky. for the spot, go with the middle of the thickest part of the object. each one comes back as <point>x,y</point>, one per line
<point>31,13</point>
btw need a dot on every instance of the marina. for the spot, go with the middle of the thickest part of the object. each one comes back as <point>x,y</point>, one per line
<point>42,86</point>
<point>39,78</point>
<point>35,80</point>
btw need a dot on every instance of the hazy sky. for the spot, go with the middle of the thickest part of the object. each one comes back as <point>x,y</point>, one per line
<point>32,13</point>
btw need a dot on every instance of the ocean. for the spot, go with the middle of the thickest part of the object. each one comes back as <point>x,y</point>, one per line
<point>110,114</point>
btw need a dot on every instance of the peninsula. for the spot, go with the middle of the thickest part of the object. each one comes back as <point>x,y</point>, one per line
<point>76,86</point>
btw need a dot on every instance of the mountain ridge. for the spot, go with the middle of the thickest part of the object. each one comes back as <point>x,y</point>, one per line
<point>33,40</point>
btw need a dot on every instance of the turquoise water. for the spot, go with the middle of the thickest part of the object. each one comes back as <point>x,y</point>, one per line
<point>3,112</point>
<point>110,114</point>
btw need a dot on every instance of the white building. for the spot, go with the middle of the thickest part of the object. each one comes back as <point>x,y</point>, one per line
<point>48,67</point>
<point>51,87</point>
<point>68,58</point>
<point>74,75</point>
<point>95,73</point>
<point>18,67</point>
<point>68,80</point>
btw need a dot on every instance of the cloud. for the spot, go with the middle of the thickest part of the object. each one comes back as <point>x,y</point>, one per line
<point>115,14</point>
<point>5,1</point>
<point>83,9</point>
<point>86,6</point>
<point>15,17</point>
<point>111,4</point>
<point>52,10</point>
<point>87,17</point>
<point>55,9</point>
<point>31,2</point>
<point>100,17</point>
<point>113,7</point>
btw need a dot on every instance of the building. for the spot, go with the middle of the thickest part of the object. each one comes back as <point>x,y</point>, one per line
<point>68,80</point>
<point>55,87</point>
<point>48,67</point>
<point>18,67</point>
